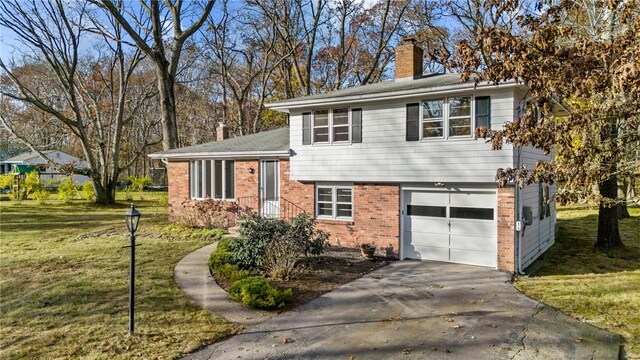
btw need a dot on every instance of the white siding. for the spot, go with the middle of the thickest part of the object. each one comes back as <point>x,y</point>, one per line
<point>536,238</point>
<point>385,156</point>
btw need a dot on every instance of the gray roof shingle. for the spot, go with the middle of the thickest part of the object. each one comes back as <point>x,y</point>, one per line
<point>425,82</point>
<point>273,140</point>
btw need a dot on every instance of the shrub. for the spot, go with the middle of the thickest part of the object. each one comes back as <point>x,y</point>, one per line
<point>257,232</point>
<point>231,272</point>
<point>258,293</point>
<point>280,257</point>
<point>138,183</point>
<point>6,181</point>
<point>41,196</point>
<point>206,213</point>
<point>88,191</point>
<point>67,190</point>
<point>222,254</point>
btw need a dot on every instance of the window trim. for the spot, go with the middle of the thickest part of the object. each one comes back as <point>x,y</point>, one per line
<point>197,192</point>
<point>334,202</point>
<point>330,126</point>
<point>446,118</point>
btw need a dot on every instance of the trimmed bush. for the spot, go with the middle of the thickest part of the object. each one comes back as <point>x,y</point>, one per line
<point>231,272</point>
<point>258,232</point>
<point>258,293</point>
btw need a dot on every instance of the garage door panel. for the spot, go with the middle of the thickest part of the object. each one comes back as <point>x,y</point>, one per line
<point>473,199</point>
<point>435,253</point>
<point>472,227</point>
<point>427,198</point>
<point>432,225</point>
<point>482,243</point>
<point>427,239</point>
<point>473,257</point>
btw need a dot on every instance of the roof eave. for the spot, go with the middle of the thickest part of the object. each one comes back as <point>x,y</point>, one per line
<point>221,155</point>
<point>284,106</point>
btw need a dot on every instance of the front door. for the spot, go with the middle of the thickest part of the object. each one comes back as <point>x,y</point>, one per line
<point>270,188</point>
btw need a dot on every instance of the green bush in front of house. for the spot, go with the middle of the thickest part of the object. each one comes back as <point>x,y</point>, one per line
<point>258,293</point>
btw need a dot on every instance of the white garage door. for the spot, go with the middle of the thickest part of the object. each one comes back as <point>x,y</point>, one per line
<point>454,226</point>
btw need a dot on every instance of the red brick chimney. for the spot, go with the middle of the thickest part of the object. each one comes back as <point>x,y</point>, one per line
<point>408,59</point>
<point>222,131</point>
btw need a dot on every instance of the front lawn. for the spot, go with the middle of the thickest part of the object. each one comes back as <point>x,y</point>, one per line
<point>602,288</point>
<point>64,278</point>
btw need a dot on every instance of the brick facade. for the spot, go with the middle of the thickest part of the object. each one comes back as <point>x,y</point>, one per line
<point>376,208</point>
<point>178,181</point>
<point>375,219</point>
<point>506,229</point>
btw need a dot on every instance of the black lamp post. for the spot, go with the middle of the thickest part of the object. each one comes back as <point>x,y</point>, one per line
<point>132,217</point>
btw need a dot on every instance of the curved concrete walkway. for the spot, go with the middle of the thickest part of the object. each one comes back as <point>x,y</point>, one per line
<point>412,310</point>
<point>193,277</point>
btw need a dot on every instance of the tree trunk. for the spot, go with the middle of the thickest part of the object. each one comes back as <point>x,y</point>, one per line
<point>105,195</point>
<point>608,232</point>
<point>166,84</point>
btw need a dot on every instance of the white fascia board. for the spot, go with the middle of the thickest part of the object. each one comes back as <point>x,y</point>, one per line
<point>221,155</point>
<point>390,95</point>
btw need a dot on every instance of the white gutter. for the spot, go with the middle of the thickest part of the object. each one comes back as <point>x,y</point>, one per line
<point>387,95</point>
<point>221,155</point>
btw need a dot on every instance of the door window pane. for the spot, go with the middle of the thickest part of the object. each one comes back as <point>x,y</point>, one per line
<point>422,210</point>
<point>471,213</point>
<point>230,191</point>
<point>270,180</point>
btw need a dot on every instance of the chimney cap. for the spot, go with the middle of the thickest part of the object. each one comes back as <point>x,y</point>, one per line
<point>221,124</point>
<point>409,39</point>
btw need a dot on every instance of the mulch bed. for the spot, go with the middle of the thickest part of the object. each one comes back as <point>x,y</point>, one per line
<point>321,274</point>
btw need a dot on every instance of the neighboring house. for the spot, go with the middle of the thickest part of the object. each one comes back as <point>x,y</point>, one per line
<point>394,163</point>
<point>47,172</point>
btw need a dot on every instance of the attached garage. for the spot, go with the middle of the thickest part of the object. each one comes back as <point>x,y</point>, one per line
<point>452,225</point>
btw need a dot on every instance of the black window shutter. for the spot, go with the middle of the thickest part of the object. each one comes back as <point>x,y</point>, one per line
<point>483,112</point>
<point>306,129</point>
<point>356,125</point>
<point>413,122</point>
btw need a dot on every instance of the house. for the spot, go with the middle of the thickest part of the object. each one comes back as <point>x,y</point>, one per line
<point>47,171</point>
<point>394,163</point>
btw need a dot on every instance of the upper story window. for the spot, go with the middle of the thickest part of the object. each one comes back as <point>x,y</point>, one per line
<point>329,126</point>
<point>213,179</point>
<point>453,117</point>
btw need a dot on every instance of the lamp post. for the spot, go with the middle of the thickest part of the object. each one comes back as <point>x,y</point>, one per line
<point>132,217</point>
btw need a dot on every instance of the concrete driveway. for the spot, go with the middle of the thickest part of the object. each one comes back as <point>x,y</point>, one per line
<point>421,310</point>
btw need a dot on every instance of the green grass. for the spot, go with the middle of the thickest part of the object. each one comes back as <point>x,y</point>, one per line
<point>600,287</point>
<point>64,282</point>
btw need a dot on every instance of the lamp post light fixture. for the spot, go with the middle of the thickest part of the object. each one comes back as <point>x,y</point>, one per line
<point>132,217</point>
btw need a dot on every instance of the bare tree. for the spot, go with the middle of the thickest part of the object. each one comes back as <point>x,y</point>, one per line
<point>91,97</point>
<point>148,29</point>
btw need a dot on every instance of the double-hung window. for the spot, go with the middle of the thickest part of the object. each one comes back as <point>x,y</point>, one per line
<point>213,179</point>
<point>444,118</point>
<point>331,126</point>
<point>334,202</point>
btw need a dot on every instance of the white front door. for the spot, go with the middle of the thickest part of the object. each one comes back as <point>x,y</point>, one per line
<point>270,188</point>
<point>452,226</point>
